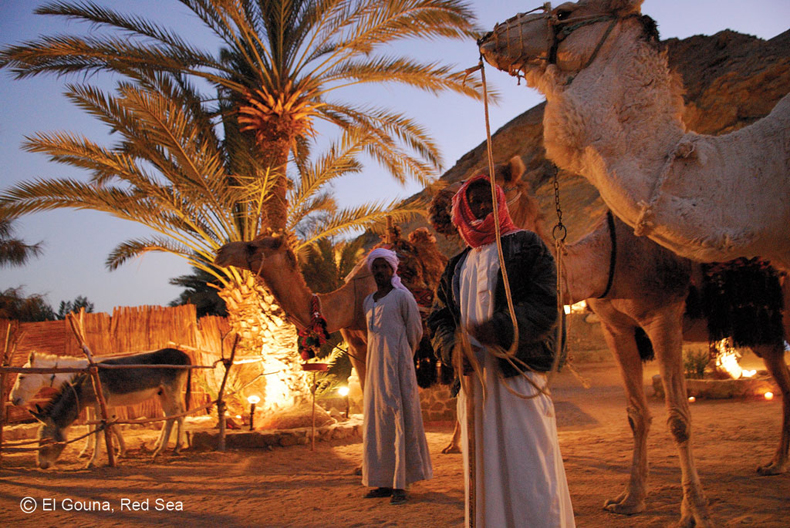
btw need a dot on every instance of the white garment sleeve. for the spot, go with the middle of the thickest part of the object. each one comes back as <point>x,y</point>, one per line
<point>411,319</point>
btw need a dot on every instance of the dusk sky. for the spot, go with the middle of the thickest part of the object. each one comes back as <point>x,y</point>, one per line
<point>76,244</point>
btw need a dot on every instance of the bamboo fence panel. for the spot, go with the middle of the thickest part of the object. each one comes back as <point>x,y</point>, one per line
<point>129,330</point>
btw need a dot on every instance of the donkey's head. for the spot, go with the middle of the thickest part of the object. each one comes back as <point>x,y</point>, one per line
<point>568,35</point>
<point>26,385</point>
<point>50,437</point>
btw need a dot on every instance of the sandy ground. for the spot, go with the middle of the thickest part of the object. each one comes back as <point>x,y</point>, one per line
<point>295,486</point>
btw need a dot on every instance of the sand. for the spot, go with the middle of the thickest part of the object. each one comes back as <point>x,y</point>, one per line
<point>295,486</point>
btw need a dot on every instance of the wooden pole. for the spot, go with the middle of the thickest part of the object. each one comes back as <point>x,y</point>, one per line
<point>389,238</point>
<point>97,388</point>
<point>312,441</point>
<point>220,401</point>
<point>6,360</point>
<point>471,451</point>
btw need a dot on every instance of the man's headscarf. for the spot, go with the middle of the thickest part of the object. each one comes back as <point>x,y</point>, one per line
<point>476,232</point>
<point>392,260</point>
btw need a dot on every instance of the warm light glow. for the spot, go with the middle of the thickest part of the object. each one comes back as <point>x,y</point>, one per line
<point>343,391</point>
<point>238,417</point>
<point>579,307</point>
<point>769,395</point>
<point>692,399</point>
<point>727,360</point>
<point>749,373</point>
<point>254,399</point>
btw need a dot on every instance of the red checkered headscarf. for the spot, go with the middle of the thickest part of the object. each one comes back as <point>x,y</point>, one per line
<point>476,232</point>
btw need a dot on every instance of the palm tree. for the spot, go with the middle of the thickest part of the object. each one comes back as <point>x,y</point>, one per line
<point>14,251</point>
<point>170,171</point>
<point>278,68</point>
<point>15,305</point>
<point>200,289</point>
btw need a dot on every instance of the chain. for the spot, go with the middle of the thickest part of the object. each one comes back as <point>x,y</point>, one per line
<point>560,227</point>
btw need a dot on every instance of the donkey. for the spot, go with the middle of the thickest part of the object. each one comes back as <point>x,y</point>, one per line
<point>28,385</point>
<point>120,387</point>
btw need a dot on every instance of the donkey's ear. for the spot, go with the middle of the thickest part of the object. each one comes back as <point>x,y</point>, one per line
<point>31,357</point>
<point>38,414</point>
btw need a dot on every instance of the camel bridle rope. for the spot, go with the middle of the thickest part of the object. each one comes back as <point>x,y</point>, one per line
<point>559,233</point>
<point>558,32</point>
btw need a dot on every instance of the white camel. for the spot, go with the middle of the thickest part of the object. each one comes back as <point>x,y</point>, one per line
<point>614,115</point>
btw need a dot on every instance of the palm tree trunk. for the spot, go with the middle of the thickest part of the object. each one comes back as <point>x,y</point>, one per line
<point>275,149</point>
<point>264,331</point>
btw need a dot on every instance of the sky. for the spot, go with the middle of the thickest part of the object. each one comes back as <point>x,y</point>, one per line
<point>76,243</point>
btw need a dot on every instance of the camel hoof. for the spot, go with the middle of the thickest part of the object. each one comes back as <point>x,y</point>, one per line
<point>694,517</point>
<point>693,522</point>
<point>624,506</point>
<point>452,448</point>
<point>773,468</point>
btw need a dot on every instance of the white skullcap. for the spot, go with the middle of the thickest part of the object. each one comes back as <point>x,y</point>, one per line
<point>392,259</point>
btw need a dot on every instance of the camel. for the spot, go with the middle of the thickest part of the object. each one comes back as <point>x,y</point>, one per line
<point>631,282</point>
<point>274,262</point>
<point>614,115</point>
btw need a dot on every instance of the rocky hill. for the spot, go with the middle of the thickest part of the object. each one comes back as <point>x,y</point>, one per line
<point>731,80</point>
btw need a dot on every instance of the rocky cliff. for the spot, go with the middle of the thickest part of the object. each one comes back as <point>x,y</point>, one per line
<point>731,80</point>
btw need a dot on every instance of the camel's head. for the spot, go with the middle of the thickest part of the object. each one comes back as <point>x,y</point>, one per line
<point>263,254</point>
<point>567,35</point>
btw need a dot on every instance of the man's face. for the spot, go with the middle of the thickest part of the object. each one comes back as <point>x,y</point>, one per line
<point>382,272</point>
<point>479,198</point>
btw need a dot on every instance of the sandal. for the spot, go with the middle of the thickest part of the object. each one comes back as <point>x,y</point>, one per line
<point>377,493</point>
<point>398,496</point>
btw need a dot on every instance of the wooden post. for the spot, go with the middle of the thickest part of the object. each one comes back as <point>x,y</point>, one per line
<point>389,239</point>
<point>471,439</point>
<point>220,402</point>
<point>312,431</point>
<point>97,388</point>
<point>6,361</point>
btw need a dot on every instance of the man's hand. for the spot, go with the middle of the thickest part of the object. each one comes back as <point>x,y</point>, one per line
<point>484,332</point>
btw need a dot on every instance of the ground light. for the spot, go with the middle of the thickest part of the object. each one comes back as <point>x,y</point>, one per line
<point>343,391</point>
<point>253,400</point>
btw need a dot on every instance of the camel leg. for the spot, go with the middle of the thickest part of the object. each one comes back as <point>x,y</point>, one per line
<point>357,352</point>
<point>664,330</point>
<point>455,442</point>
<point>775,363</point>
<point>620,339</point>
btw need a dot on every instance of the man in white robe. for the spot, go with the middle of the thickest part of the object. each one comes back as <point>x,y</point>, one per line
<point>519,477</point>
<point>395,450</point>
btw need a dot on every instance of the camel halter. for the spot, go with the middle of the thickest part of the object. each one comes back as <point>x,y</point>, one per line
<point>559,31</point>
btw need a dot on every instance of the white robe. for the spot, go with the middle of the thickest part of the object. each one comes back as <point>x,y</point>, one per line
<point>395,450</point>
<point>520,477</point>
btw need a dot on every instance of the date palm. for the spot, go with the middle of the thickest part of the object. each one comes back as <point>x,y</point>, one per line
<point>14,251</point>
<point>170,170</point>
<point>282,65</point>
